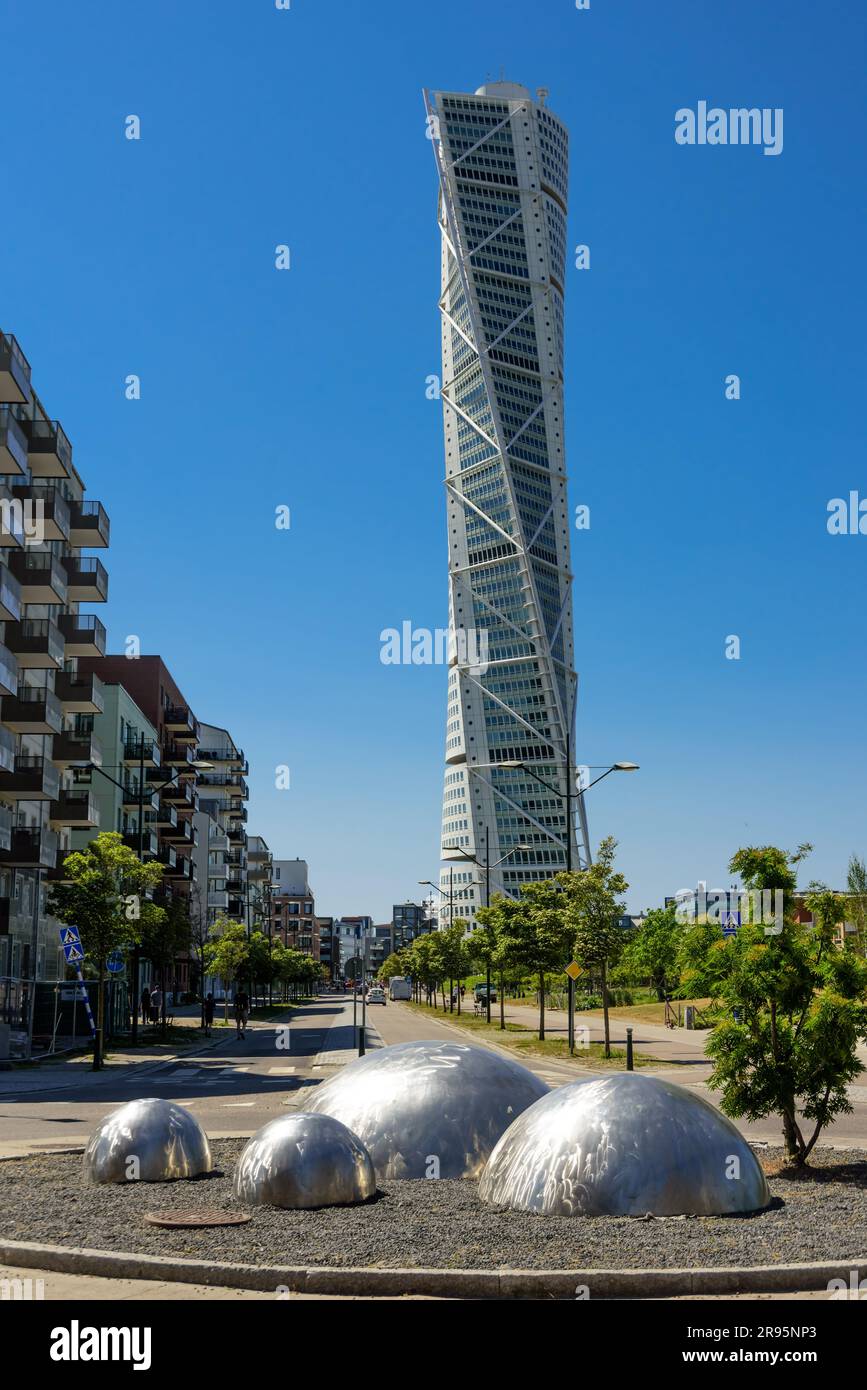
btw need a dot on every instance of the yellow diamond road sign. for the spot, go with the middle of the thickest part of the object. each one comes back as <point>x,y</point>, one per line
<point>573,970</point>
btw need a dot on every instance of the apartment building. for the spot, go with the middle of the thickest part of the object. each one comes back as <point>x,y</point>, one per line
<point>221,822</point>
<point>327,945</point>
<point>294,906</point>
<point>260,887</point>
<point>47,698</point>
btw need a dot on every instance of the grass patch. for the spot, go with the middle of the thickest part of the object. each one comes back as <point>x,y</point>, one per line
<point>526,1040</point>
<point>649,1012</point>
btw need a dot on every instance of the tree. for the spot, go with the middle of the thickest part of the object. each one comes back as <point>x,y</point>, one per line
<point>228,955</point>
<point>107,899</point>
<point>651,950</point>
<point>165,935</point>
<point>453,957</point>
<point>200,935</point>
<point>794,1007</point>
<point>482,949</point>
<point>425,963</point>
<point>496,922</point>
<point>398,963</point>
<point>856,906</point>
<point>593,913</point>
<point>533,936</point>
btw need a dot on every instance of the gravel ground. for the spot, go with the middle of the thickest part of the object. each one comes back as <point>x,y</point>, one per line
<point>436,1224</point>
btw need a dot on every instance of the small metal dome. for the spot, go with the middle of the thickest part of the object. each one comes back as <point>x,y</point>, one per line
<point>304,1161</point>
<point>429,1109</point>
<point>624,1145</point>
<point>147,1141</point>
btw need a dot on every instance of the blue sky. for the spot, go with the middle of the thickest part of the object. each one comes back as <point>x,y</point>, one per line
<point>307,388</point>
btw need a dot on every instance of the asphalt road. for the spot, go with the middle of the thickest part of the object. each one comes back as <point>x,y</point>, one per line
<point>240,1084</point>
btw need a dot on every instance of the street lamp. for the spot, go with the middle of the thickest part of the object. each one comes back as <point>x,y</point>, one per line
<point>198,766</point>
<point>487,866</point>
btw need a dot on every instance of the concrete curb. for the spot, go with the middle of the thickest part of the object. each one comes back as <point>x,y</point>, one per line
<point>437,1283</point>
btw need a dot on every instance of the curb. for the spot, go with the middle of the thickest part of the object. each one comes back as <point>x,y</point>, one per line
<point>438,1283</point>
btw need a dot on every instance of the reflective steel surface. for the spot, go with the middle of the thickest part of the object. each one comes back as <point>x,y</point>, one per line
<point>623,1146</point>
<point>429,1109</point>
<point>147,1141</point>
<point>302,1161</point>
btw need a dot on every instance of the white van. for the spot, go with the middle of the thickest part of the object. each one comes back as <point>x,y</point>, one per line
<point>399,988</point>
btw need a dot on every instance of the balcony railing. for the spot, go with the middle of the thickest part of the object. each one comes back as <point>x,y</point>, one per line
<point>49,452</point>
<point>83,633</point>
<point>45,512</point>
<point>31,848</point>
<point>13,444</point>
<point>138,750</point>
<point>32,710</point>
<point>41,577</point>
<point>14,371</point>
<point>74,808</point>
<point>87,578</point>
<point>69,748</point>
<point>81,694</point>
<point>10,596</point>
<point>32,778</point>
<point>88,524</point>
<point>180,721</point>
<point>37,643</point>
<point>8,671</point>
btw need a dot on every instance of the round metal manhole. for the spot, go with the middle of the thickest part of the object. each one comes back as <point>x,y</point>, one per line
<point>203,1216</point>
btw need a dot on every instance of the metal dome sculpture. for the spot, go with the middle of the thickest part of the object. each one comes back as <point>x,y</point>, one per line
<point>304,1161</point>
<point>624,1145</point>
<point>147,1141</point>
<point>429,1109</point>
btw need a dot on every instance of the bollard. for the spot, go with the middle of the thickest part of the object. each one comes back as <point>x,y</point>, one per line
<point>629,1063</point>
<point>361,1041</point>
<point>97,1049</point>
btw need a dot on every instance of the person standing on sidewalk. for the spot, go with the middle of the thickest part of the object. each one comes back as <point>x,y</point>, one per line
<point>145,1004</point>
<point>209,1015</point>
<point>242,1009</point>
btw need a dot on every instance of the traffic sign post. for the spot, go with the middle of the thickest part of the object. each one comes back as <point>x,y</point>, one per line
<point>573,970</point>
<point>70,940</point>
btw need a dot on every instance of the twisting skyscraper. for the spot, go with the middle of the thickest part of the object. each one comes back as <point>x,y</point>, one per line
<point>502,161</point>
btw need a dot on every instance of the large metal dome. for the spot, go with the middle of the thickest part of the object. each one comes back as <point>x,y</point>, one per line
<point>147,1141</point>
<point>429,1109</point>
<point>624,1145</point>
<point>304,1161</point>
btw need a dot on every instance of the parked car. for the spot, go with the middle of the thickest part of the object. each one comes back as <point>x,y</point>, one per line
<point>480,991</point>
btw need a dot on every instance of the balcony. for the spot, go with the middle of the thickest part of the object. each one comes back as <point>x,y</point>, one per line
<point>259,871</point>
<point>45,513</point>
<point>31,848</point>
<point>87,579</point>
<point>181,794</point>
<point>74,808</point>
<point>41,577</point>
<point>37,643</point>
<point>236,907</point>
<point>167,857</point>
<point>32,710</point>
<point>221,757</point>
<point>12,535</point>
<point>179,720</point>
<point>14,372</point>
<point>83,634</point>
<point>141,750</point>
<point>8,672</point>
<point>10,596</point>
<point>5,836</point>
<point>79,694</point>
<point>70,748</point>
<point>33,778</point>
<point>218,843</point>
<point>218,899</point>
<point>49,452</point>
<point>166,818</point>
<point>131,794</point>
<point>179,755</point>
<point>224,784</point>
<point>235,883</point>
<point>237,834</point>
<point>239,813</point>
<point>88,525</point>
<point>184,869</point>
<point>13,445</point>
<point>182,833</point>
<point>149,845</point>
<point>7,750</point>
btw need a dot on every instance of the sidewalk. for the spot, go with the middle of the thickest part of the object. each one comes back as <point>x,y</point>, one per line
<point>76,1073</point>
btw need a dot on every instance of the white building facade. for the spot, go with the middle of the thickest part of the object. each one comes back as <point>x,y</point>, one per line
<point>502,162</point>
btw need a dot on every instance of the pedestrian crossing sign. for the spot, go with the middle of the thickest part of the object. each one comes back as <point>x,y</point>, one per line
<point>70,940</point>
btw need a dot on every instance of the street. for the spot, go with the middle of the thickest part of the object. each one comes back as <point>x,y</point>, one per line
<point>234,1086</point>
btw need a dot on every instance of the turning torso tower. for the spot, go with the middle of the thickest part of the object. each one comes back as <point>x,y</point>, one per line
<point>502,162</point>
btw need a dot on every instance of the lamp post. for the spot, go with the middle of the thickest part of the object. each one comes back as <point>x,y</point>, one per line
<point>153,791</point>
<point>487,866</point>
<point>614,767</point>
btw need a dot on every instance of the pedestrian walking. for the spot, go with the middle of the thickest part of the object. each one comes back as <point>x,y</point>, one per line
<point>156,1004</point>
<point>242,1009</point>
<point>209,1015</point>
<point>145,1004</point>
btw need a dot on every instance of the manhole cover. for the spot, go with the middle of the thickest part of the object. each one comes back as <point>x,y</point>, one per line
<point>205,1216</point>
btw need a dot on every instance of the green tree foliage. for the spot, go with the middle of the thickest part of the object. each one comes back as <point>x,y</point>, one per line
<point>594,909</point>
<point>534,935</point>
<point>107,898</point>
<point>856,904</point>
<point>794,1007</point>
<point>651,951</point>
